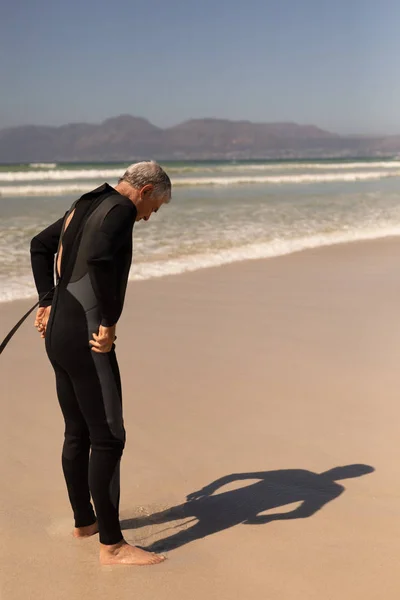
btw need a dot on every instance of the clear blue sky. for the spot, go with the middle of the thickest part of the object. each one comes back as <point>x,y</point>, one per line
<point>334,64</point>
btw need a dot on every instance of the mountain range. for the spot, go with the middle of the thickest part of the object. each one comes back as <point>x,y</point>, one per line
<point>126,138</point>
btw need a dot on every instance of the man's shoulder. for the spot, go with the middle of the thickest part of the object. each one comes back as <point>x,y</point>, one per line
<point>115,198</point>
<point>105,198</point>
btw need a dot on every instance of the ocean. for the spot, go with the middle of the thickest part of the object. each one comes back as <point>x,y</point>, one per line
<point>221,211</point>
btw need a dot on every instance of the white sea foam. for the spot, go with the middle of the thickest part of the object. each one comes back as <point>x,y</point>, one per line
<point>290,179</point>
<point>49,172</point>
<point>44,190</point>
<point>306,178</point>
<point>292,166</point>
<point>43,165</point>
<point>59,175</point>
<point>23,286</point>
<point>271,249</point>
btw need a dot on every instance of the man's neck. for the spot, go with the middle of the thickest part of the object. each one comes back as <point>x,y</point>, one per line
<point>128,191</point>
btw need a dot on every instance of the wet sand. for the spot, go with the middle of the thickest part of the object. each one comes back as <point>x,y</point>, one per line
<point>253,379</point>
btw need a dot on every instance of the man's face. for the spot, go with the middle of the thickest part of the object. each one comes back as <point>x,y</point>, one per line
<point>149,203</point>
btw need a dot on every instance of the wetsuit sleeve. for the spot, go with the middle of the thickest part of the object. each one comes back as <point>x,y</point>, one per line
<point>43,248</point>
<point>114,231</point>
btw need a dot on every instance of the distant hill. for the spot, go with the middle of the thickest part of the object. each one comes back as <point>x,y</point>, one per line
<point>127,138</point>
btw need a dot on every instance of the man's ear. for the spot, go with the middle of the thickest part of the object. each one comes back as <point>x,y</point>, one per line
<point>146,190</point>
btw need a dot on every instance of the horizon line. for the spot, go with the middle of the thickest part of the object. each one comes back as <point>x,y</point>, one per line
<point>101,122</point>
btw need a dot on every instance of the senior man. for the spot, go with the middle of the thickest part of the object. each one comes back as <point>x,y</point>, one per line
<point>92,245</point>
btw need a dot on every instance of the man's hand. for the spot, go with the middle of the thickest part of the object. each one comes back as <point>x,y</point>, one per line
<point>102,341</point>
<point>41,319</point>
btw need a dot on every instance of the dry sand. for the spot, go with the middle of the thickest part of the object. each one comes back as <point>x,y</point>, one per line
<point>264,373</point>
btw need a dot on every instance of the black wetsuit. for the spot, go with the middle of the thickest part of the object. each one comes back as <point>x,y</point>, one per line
<point>95,262</point>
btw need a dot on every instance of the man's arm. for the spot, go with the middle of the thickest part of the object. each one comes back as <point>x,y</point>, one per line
<point>43,249</point>
<point>307,508</point>
<point>114,231</point>
<point>209,489</point>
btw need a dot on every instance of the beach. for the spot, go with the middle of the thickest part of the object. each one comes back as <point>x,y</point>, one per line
<point>260,376</point>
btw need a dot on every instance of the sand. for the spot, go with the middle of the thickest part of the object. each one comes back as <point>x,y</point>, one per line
<point>265,374</point>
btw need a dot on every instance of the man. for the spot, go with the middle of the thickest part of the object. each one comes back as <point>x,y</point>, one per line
<point>93,248</point>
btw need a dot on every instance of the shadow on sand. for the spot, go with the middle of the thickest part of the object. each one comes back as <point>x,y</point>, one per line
<point>212,513</point>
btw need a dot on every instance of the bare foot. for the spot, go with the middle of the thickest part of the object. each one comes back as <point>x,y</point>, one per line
<point>84,532</point>
<point>124,554</point>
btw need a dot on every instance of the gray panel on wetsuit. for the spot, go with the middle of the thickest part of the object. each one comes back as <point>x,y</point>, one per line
<point>83,291</point>
<point>111,398</point>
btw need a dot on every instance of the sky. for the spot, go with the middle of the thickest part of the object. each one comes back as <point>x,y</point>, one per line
<point>331,64</point>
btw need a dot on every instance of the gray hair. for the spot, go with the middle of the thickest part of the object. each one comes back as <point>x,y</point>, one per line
<point>142,173</point>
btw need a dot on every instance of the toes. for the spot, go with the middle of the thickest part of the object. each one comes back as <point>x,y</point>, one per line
<point>161,558</point>
<point>157,558</point>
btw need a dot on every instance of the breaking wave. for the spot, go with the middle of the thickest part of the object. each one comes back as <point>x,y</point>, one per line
<point>305,178</point>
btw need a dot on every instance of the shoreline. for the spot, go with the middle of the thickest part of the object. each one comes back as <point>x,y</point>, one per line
<point>321,247</point>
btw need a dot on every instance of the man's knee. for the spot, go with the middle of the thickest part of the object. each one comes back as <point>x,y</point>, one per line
<point>76,442</point>
<point>107,439</point>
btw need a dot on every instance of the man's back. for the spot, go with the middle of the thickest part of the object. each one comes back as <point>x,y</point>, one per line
<point>96,254</point>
